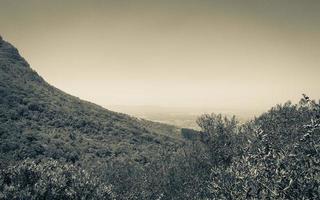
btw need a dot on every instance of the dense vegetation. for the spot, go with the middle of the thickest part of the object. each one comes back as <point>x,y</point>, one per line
<point>56,146</point>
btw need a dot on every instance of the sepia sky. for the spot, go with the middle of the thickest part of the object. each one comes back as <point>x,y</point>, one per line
<point>220,54</point>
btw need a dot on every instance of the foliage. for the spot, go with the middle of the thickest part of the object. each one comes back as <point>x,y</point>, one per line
<point>50,180</point>
<point>221,136</point>
<point>281,161</point>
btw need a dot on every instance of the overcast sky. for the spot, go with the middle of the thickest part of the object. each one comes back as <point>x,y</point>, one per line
<point>220,54</point>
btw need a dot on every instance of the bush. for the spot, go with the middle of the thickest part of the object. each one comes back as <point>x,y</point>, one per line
<point>50,180</point>
<point>281,161</point>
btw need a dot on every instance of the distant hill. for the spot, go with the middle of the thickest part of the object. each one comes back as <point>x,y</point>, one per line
<point>38,120</point>
<point>183,117</point>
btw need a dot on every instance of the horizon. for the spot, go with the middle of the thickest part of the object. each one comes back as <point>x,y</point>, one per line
<point>244,56</point>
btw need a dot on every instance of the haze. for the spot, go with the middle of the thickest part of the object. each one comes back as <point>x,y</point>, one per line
<point>242,55</point>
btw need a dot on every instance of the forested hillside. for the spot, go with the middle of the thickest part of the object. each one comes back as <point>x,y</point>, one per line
<point>56,146</point>
<point>39,121</point>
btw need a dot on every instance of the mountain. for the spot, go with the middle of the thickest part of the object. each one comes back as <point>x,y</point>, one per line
<point>56,146</point>
<point>38,120</point>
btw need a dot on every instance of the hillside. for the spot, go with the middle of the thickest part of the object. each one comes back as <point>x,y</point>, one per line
<point>56,146</point>
<point>38,120</point>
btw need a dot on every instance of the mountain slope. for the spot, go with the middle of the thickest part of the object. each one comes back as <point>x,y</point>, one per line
<point>38,120</point>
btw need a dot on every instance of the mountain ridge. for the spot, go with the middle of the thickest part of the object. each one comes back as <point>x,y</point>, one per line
<point>39,120</point>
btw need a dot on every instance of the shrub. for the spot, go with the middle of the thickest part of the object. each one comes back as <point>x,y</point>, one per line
<point>280,162</point>
<point>50,180</point>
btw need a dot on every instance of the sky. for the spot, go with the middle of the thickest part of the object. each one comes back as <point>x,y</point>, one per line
<point>241,54</point>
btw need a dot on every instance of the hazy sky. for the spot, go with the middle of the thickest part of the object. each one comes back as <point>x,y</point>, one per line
<point>222,54</point>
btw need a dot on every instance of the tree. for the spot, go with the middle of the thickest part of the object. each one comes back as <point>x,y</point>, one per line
<point>221,136</point>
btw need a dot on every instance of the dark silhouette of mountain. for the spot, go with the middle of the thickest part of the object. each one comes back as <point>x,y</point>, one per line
<point>38,120</point>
